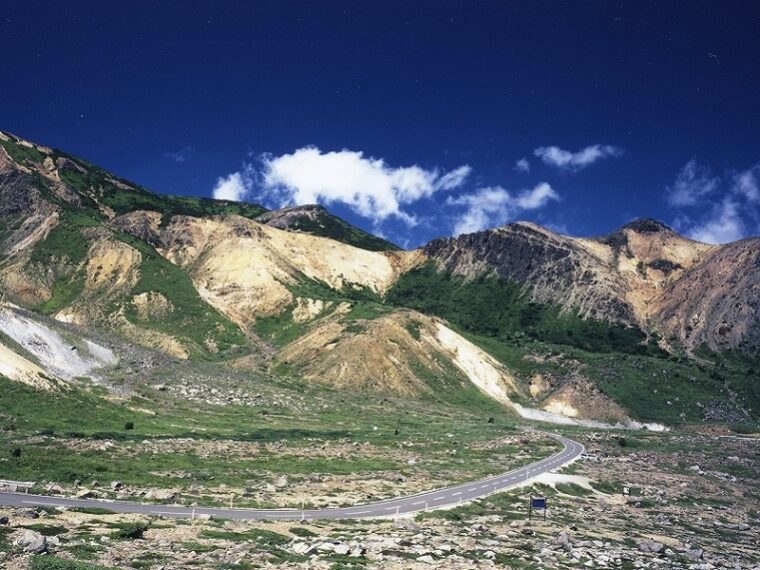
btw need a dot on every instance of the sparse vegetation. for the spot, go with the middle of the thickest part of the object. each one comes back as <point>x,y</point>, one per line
<point>48,562</point>
<point>469,304</point>
<point>130,531</point>
<point>327,225</point>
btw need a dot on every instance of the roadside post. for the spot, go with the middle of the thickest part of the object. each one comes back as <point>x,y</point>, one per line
<point>536,503</point>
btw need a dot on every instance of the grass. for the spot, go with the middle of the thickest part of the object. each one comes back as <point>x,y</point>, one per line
<point>64,241</point>
<point>653,386</point>
<point>92,510</point>
<point>61,251</point>
<point>470,305</point>
<point>129,531</point>
<point>85,551</point>
<point>123,196</point>
<point>573,490</point>
<point>266,540</point>
<point>262,537</point>
<point>501,504</point>
<point>5,543</point>
<point>280,329</point>
<point>69,416</point>
<point>47,530</point>
<point>190,316</point>
<point>301,532</point>
<point>22,153</point>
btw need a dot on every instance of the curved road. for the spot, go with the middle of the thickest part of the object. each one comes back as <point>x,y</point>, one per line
<point>448,497</point>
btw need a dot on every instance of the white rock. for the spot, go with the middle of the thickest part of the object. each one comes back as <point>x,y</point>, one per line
<point>301,548</point>
<point>31,542</point>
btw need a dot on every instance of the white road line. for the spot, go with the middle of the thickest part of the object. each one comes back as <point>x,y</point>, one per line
<point>498,483</point>
<point>170,513</point>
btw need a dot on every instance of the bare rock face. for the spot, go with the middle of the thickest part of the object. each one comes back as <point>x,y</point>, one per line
<point>286,218</point>
<point>140,224</point>
<point>557,269</point>
<point>643,274</point>
<point>717,302</point>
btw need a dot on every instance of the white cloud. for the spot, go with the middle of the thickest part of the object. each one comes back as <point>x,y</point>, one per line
<point>720,210</point>
<point>693,183</point>
<point>232,187</point>
<point>567,160</point>
<point>455,178</point>
<point>180,155</point>
<point>367,185</point>
<point>747,184</point>
<point>522,165</point>
<point>488,207</point>
<point>723,225</point>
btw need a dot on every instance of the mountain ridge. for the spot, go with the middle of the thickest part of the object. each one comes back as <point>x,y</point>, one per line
<point>297,291</point>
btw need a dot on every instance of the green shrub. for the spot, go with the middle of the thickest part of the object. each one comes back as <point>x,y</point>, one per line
<point>302,532</point>
<point>130,531</point>
<point>470,305</point>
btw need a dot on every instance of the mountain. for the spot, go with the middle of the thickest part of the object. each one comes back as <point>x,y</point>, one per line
<point>315,220</point>
<point>643,275</point>
<point>639,324</point>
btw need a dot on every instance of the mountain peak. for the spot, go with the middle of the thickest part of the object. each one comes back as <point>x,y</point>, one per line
<point>647,226</point>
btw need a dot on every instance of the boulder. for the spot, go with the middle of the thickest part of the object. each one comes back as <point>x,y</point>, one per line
<point>693,554</point>
<point>32,542</point>
<point>563,541</point>
<point>301,548</point>
<point>650,546</point>
<point>281,481</point>
<point>161,494</point>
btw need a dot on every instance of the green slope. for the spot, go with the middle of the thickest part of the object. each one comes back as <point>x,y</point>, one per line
<point>533,338</point>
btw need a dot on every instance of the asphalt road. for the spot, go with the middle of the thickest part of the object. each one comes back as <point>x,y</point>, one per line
<point>450,496</point>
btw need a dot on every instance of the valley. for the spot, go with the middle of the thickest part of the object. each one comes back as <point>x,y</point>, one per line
<point>203,353</point>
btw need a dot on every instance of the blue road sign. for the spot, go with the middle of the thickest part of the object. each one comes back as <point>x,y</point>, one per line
<point>538,502</point>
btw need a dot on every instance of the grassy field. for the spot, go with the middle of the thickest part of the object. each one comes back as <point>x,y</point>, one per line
<point>54,437</point>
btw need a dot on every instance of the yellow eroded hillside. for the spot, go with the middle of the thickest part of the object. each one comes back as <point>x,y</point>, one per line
<point>243,268</point>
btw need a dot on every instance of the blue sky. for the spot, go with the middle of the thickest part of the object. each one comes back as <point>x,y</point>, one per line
<point>410,119</point>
